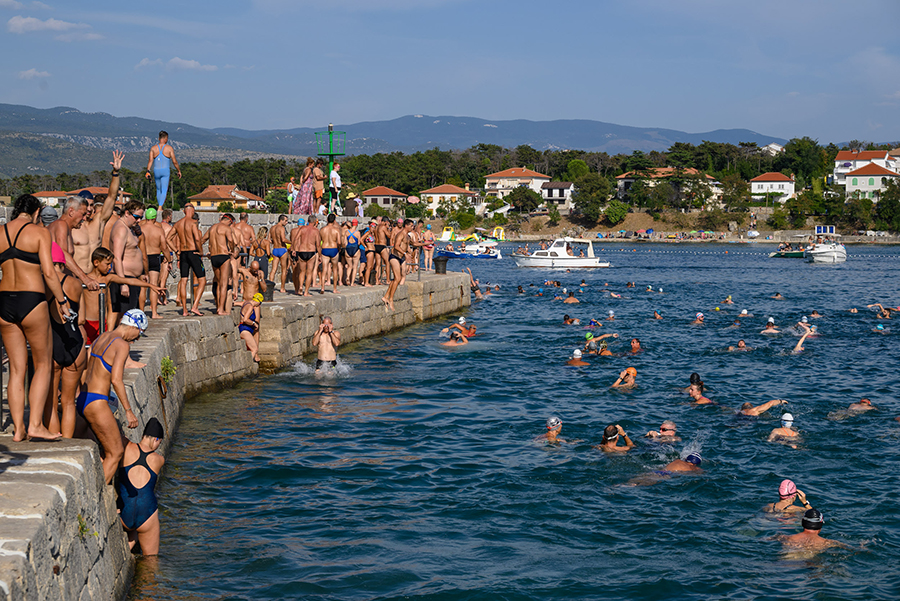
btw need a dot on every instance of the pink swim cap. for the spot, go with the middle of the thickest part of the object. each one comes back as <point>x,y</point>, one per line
<point>56,253</point>
<point>787,488</point>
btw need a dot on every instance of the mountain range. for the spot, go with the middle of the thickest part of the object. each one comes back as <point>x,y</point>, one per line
<point>61,139</point>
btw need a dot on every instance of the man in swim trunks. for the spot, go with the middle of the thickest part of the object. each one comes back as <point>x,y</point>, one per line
<point>571,299</point>
<point>161,155</point>
<point>279,250</point>
<point>467,330</point>
<point>156,249</point>
<point>253,280</point>
<point>305,248</point>
<point>331,241</point>
<point>99,210</point>
<point>221,250</point>
<point>382,235</point>
<point>456,339</point>
<point>398,254</point>
<point>190,247</point>
<point>770,327</point>
<point>73,215</point>
<point>326,339</point>
<point>138,470</point>
<point>749,410</point>
<point>170,248</point>
<point>128,260</point>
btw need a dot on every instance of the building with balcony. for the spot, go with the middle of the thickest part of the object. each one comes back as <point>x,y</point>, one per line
<point>851,160</point>
<point>559,195</point>
<point>869,181</point>
<point>500,184</point>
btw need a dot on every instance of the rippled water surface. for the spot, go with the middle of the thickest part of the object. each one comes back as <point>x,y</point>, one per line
<point>415,474</point>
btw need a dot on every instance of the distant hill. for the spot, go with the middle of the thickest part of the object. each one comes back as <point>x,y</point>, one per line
<point>64,139</point>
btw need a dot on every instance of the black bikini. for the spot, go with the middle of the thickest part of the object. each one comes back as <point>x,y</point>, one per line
<point>16,306</point>
<point>67,338</point>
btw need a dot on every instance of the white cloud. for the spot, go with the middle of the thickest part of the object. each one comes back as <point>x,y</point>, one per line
<point>146,62</point>
<point>180,64</point>
<point>10,4</point>
<point>177,64</point>
<point>40,5</point>
<point>20,24</point>
<point>33,74</point>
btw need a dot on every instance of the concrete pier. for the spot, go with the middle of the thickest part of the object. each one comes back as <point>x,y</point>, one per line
<point>60,537</point>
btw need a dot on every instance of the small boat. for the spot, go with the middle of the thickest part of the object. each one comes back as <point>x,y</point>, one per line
<point>786,254</point>
<point>827,248</point>
<point>558,256</point>
<point>480,250</point>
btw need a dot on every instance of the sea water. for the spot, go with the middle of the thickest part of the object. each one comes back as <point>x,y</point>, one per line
<point>414,472</point>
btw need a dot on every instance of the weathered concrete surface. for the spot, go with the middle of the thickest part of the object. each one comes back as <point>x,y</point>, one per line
<point>60,537</point>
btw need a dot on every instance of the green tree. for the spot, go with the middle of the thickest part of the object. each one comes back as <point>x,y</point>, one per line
<point>225,207</point>
<point>638,162</point>
<point>858,213</point>
<point>524,199</point>
<point>660,196</point>
<point>591,193</point>
<point>887,211</point>
<point>615,212</point>
<point>735,193</point>
<point>800,207</point>
<point>576,170</point>
<point>804,158</point>
<point>778,220</point>
<point>714,219</point>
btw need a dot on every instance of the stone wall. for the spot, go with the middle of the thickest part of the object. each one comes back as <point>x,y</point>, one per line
<point>60,537</point>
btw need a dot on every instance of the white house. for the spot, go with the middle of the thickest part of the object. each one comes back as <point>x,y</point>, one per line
<point>778,183</point>
<point>382,196</point>
<point>558,194</point>
<point>52,198</point>
<point>772,149</point>
<point>500,184</point>
<point>446,193</point>
<point>851,160</point>
<point>869,180</point>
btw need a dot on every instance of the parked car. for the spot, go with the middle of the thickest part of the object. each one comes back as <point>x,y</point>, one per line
<point>539,212</point>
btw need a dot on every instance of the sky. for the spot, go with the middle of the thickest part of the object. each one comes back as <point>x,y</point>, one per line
<point>787,68</point>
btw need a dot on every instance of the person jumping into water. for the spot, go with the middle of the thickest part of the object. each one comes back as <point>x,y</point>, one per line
<point>161,155</point>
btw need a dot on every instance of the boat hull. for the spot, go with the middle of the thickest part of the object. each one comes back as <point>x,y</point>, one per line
<point>790,254</point>
<point>456,255</point>
<point>560,262</point>
<point>826,253</point>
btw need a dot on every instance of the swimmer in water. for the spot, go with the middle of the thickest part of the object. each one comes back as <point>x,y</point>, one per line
<point>864,404</point>
<point>695,381</point>
<point>883,312</point>
<point>749,410</point>
<point>727,301</point>
<point>854,310</point>
<point>787,494</point>
<point>610,441</point>
<point>741,346</point>
<point>778,296</point>
<point>812,523</point>
<point>745,313</point>
<point>799,348</point>
<point>612,315</point>
<point>697,396</point>
<point>592,346</point>
<point>626,379</point>
<point>595,323</point>
<point>668,432</point>
<point>815,314</point>
<point>691,463</point>
<point>698,320</point>
<point>614,295</point>
<point>571,299</point>
<point>785,434</point>
<point>576,359</point>
<point>554,427</point>
<point>635,346</point>
<point>879,329</point>
<point>466,330</point>
<point>656,315</point>
<point>570,321</point>
<point>770,327</point>
<point>456,339</point>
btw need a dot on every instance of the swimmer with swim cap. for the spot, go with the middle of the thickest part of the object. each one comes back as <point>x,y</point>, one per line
<point>785,431</point>
<point>691,463</point>
<point>698,320</point>
<point>787,494</point>
<point>749,410</point>
<point>554,427</point>
<point>812,523</point>
<point>610,440</point>
<point>576,359</point>
<point>626,379</point>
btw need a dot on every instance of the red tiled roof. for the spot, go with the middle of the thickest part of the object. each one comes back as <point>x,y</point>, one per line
<point>661,172</point>
<point>772,176</point>
<point>516,172</point>
<point>862,155</point>
<point>51,194</point>
<point>873,169</point>
<point>448,189</point>
<point>555,185</point>
<point>382,191</point>
<point>228,193</point>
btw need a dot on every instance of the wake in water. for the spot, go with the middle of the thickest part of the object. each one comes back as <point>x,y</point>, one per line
<point>340,371</point>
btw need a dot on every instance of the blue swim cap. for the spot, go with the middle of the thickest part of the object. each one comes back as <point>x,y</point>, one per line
<point>428,227</point>
<point>540,289</point>
<point>693,458</point>
<point>301,221</point>
<point>879,327</point>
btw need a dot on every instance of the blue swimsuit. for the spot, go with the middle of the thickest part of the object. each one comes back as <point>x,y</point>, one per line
<point>86,398</point>
<point>161,175</point>
<point>136,504</point>
<point>246,328</point>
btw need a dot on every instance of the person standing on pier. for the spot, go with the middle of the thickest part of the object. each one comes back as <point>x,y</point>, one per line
<point>334,188</point>
<point>279,250</point>
<point>128,260</point>
<point>318,177</point>
<point>161,156</point>
<point>253,280</point>
<point>221,250</point>
<point>331,239</point>
<point>398,254</point>
<point>156,249</point>
<point>87,238</point>
<point>190,247</point>
<point>305,245</point>
<point>306,201</point>
<point>326,339</point>
<point>73,215</point>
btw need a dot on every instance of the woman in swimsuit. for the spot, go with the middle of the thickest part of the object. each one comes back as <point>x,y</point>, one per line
<point>69,354</point>
<point>428,247</point>
<point>24,318</point>
<point>249,326</point>
<point>137,504</point>
<point>369,244</point>
<point>352,253</point>
<point>106,365</point>
<point>261,250</point>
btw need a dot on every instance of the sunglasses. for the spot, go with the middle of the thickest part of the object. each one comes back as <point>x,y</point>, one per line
<point>136,216</point>
<point>667,429</point>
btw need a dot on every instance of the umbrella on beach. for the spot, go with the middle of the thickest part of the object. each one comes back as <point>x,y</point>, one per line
<point>413,200</point>
<point>642,231</point>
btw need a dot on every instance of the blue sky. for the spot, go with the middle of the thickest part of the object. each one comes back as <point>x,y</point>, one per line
<point>826,69</point>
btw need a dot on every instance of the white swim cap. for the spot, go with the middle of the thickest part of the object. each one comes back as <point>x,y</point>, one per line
<point>787,418</point>
<point>611,312</point>
<point>804,319</point>
<point>771,320</point>
<point>564,290</point>
<point>576,354</point>
<point>744,312</point>
<point>462,320</point>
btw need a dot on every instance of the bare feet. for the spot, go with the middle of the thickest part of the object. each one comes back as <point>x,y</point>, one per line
<point>155,316</point>
<point>132,364</point>
<point>217,313</point>
<point>42,433</point>
<point>196,312</point>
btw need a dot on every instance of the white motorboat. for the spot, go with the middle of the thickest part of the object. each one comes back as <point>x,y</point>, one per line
<point>562,254</point>
<point>827,248</point>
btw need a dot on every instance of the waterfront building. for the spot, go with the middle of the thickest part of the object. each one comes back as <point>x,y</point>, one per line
<point>382,196</point>
<point>653,177</point>
<point>213,196</point>
<point>450,195</point>
<point>772,182</point>
<point>851,160</point>
<point>558,194</point>
<point>502,183</point>
<point>868,181</point>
